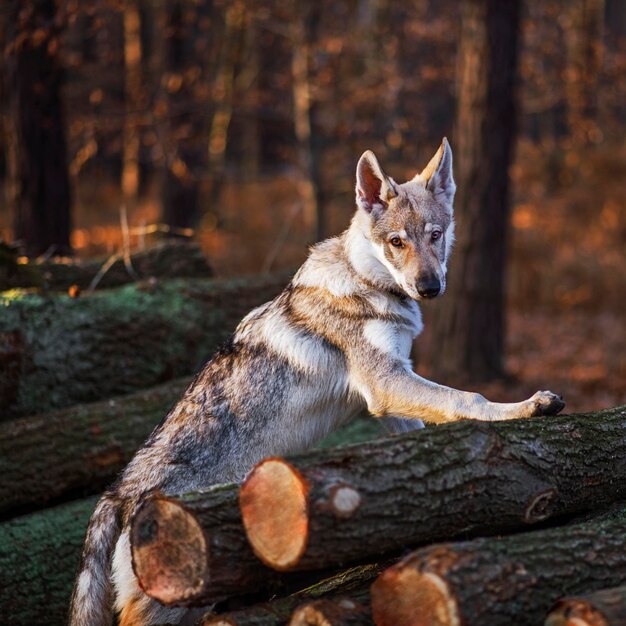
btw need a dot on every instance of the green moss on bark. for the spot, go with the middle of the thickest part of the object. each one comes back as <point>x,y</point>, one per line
<point>57,351</point>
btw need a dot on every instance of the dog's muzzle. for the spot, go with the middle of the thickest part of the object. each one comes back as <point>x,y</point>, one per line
<point>428,288</point>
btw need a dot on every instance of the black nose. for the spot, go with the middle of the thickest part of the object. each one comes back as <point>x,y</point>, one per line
<point>428,288</point>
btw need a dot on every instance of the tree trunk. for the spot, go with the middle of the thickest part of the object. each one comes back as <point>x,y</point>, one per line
<point>133,101</point>
<point>171,259</point>
<point>248,83</point>
<point>338,612</point>
<point>354,582</point>
<point>77,450</point>
<point>182,154</point>
<point>223,101</point>
<point>606,607</point>
<point>303,30</point>
<point>502,580</point>
<point>42,202</point>
<point>39,557</point>
<point>338,506</point>
<point>584,29</point>
<point>469,329</point>
<point>56,351</point>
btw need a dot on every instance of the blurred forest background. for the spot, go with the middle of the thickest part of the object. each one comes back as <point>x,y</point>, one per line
<point>241,123</point>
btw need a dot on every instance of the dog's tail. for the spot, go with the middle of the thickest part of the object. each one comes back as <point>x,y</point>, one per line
<point>92,598</point>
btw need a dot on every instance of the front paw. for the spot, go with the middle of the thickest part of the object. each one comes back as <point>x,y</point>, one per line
<point>546,403</point>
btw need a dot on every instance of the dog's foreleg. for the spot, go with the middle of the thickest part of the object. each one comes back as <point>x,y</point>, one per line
<point>390,388</point>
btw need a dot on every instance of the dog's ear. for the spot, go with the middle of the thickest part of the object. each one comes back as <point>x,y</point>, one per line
<point>437,175</point>
<point>374,189</point>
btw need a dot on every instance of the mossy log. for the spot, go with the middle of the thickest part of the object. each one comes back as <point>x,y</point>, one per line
<point>501,581</point>
<point>57,351</point>
<point>354,582</point>
<point>78,450</point>
<point>168,259</point>
<point>39,556</point>
<point>606,607</point>
<point>334,507</point>
<point>337,612</point>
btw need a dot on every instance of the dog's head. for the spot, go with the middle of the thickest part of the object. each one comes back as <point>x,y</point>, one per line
<point>410,225</point>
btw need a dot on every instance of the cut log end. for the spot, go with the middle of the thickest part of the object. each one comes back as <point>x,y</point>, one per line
<point>338,612</point>
<point>278,535</point>
<point>575,612</point>
<point>399,591</point>
<point>167,569</point>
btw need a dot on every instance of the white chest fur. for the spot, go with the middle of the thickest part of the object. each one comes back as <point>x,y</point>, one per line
<point>395,338</point>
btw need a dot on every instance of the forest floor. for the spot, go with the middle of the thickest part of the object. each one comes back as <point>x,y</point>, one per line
<point>566,311</point>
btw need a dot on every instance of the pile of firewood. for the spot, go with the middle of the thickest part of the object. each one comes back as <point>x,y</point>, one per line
<point>321,531</point>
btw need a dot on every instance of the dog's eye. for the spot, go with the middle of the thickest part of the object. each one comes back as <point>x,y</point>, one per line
<point>396,242</point>
<point>436,234</point>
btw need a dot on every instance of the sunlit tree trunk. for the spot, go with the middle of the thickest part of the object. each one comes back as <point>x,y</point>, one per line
<point>223,91</point>
<point>302,34</point>
<point>469,328</point>
<point>42,196</point>
<point>584,27</point>
<point>132,61</point>
<point>248,83</point>
<point>180,184</point>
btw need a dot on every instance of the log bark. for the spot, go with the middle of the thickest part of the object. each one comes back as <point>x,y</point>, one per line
<point>39,556</point>
<point>338,612</point>
<point>171,259</point>
<point>57,351</point>
<point>501,580</point>
<point>331,508</point>
<point>76,451</point>
<point>606,607</point>
<point>355,582</point>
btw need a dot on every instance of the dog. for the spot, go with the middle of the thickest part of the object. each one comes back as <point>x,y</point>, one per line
<point>334,343</point>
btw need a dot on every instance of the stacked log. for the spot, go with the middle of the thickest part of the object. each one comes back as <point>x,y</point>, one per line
<point>489,479</point>
<point>499,581</point>
<point>456,480</point>
<point>606,607</point>
<point>354,582</point>
<point>39,556</point>
<point>192,549</point>
<point>168,259</point>
<point>338,612</point>
<point>58,351</point>
<point>77,450</point>
<point>334,507</point>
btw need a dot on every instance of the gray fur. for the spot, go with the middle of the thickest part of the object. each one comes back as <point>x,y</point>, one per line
<point>334,343</point>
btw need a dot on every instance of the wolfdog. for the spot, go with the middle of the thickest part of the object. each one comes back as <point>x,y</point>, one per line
<point>335,342</point>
